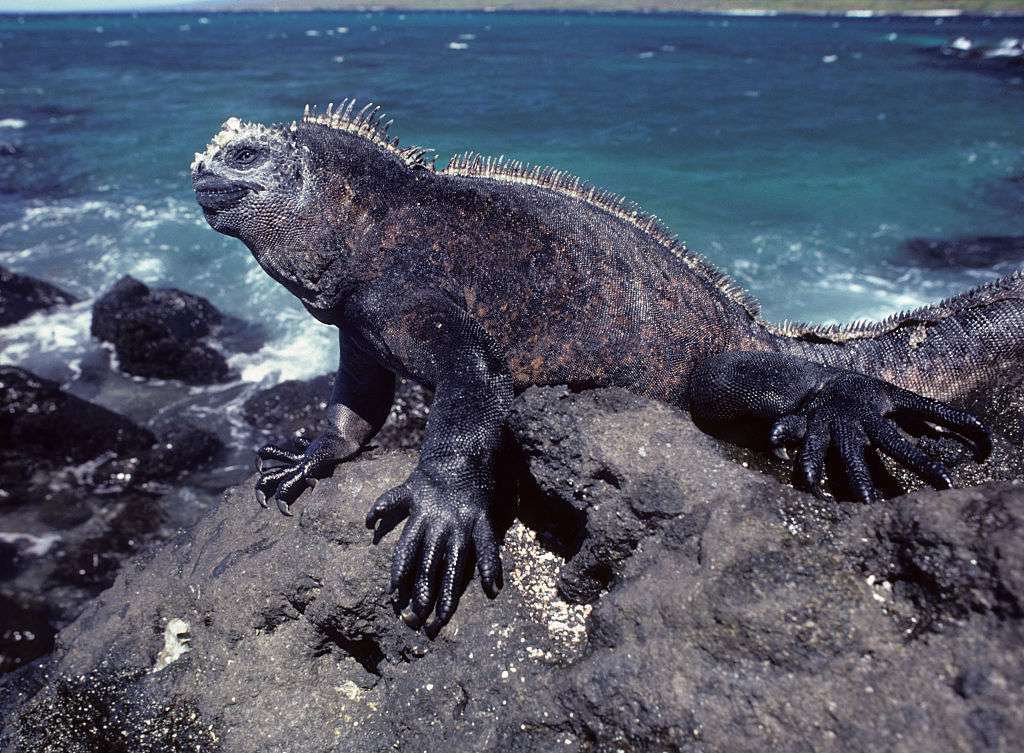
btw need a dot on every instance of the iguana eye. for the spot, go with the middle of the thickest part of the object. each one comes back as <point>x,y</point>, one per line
<point>245,156</point>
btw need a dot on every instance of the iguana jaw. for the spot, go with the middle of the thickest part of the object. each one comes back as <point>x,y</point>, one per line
<point>215,194</point>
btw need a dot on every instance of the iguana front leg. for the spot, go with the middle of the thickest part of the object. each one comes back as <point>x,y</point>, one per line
<point>363,393</point>
<point>447,499</point>
<point>819,407</point>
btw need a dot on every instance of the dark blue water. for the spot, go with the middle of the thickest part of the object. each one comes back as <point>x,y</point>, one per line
<point>797,153</point>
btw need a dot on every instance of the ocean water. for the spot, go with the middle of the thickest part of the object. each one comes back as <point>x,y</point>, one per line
<point>797,153</point>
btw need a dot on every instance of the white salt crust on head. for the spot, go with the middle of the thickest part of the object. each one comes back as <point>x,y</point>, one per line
<point>232,129</point>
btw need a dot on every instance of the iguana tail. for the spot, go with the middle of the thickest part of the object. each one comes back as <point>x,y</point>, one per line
<point>944,351</point>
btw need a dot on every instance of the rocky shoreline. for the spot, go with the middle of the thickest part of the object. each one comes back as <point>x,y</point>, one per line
<point>83,489</point>
<point>664,590</point>
<point>659,596</point>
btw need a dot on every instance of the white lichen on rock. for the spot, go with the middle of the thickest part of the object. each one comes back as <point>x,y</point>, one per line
<point>176,640</point>
<point>535,575</point>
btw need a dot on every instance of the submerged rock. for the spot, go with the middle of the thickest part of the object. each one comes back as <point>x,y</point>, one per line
<point>976,252</point>
<point>1005,57</point>
<point>294,409</point>
<point>41,423</point>
<point>21,295</point>
<point>166,333</point>
<point>77,498</point>
<point>659,596</point>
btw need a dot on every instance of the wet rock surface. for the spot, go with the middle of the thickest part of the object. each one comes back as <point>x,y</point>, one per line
<point>294,409</point>
<point>81,490</point>
<point>976,252</point>
<point>659,596</point>
<point>170,334</point>
<point>21,295</point>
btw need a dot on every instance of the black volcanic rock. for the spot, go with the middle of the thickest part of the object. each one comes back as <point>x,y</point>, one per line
<point>972,253</point>
<point>21,295</point>
<point>41,422</point>
<point>290,409</point>
<point>294,409</point>
<point>165,333</point>
<point>75,502</point>
<point>1004,59</point>
<point>25,633</point>
<point>179,449</point>
<point>44,429</point>
<point>725,611</point>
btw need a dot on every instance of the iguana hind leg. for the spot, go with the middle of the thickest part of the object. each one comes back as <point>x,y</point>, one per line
<point>821,407</point>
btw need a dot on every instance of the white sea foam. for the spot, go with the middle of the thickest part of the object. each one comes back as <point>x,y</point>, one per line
<point>136,217</point>
<point>48,215</point>
<point>870,297</point>
<point>934,13</point>
<point>149,267</point>
<point>51,342</point>
<point>458,46</point>
<point>829,58</point>
<point>37,545</point>
<point>12,123</point>
<point>305,349</point>
<point>119,43</point>
<point>288,357</point>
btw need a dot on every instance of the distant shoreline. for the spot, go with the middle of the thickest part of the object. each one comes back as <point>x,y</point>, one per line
<point>555,7</point>
<point>737,8</point>
<point>727,13</point>
<point>848,8</point>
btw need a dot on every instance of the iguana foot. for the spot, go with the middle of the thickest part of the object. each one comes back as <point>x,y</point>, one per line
<point>448,523</point>
<point>285,482</point>
<point>851,412</point>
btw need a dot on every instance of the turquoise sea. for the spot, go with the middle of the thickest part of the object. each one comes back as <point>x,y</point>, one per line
<point>798,153</point>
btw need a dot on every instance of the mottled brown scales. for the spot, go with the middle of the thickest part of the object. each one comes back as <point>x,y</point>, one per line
<point>490,275</point>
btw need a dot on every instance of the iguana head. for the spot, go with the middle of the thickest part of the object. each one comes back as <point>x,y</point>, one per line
<point>249,178</point>
<point>297,195</point>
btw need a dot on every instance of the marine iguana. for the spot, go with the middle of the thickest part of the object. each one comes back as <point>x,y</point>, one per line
<point>490,275</point>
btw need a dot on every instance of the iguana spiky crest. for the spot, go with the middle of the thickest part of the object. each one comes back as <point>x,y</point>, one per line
<point>371,124</point>
<point>983,295</point>
<point>471,164</point>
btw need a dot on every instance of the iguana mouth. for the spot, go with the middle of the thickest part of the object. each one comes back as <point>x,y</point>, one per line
<point>217,194</point>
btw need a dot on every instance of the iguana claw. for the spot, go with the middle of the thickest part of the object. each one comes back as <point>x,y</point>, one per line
<point>297,471</point>
<point>853,412</point>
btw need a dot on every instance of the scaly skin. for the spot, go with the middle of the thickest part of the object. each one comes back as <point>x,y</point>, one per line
<point>488,277</point>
